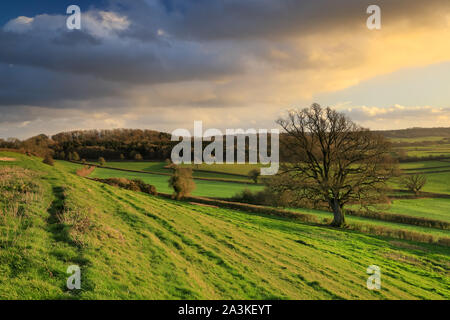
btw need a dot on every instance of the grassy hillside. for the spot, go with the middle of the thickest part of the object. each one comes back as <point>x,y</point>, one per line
<point>135,246</point>
<point>223,189</point>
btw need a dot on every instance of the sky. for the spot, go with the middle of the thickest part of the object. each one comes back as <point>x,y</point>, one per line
<point>163,64</point>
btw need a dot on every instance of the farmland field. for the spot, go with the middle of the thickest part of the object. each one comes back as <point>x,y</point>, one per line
<point>438,209</point>
<point>204,188</point>
<point>425,151</point>
<point>159,167</point>
<point>138,246</point>
<point>372,222</point>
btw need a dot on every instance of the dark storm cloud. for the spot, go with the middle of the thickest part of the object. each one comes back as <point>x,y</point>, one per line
<point>180,40</point>
<point>146,43</point>
<point>237,19</point>
<point>25,85</point>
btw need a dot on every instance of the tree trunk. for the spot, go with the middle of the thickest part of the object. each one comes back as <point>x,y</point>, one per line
<point>339,218</point>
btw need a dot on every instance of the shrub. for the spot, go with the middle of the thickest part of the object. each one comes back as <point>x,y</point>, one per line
<point>138,157</point>
<point>101,161</point>
<point>182,182</point>
<point>133,185</point>
<point>85,171</point>
<point>254,175</point>
<point>49,160</point>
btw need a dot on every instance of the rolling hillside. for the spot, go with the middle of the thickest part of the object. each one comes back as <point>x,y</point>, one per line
<point>134,246</point>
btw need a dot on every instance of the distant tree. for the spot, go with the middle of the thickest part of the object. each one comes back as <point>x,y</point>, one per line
<point>182,182</point>
<point>332,161</point>
<point>254,175</point>
<point>62,155</point>
<point>48,159</point>
<point>101,161</point>
<point>75,156</point>
<point>122,157</point>
<point>70,156</point>
<point>138,157</point>
<point>414,183</point>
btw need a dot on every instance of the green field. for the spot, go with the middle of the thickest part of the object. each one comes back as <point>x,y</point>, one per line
<point>159,167</point>
<point>217,189</point>
<point>424,151</point>
<point>437,209</point>
<point>137,246</point>
<point>237,169</point>
<point>421,139</point>
<point>425,165</point>
<point>371,222</point>
<point>438,182</point>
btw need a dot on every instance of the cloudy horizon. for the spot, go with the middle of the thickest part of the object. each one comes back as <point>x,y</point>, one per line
<point>162,64</point>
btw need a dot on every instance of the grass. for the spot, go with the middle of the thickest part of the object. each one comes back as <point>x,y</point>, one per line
<point>438,209</point>
<point>437,182</point>
<point>237,169</point>
<point>137,246</point>
<point>204,188</point>
<point>371,222</point>
<point>421,139</point>
<point>430,150</point>
<point>159,167</point>
<point>425,165</point>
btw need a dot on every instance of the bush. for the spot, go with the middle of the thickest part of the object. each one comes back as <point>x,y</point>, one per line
<point>133,185</point>
<point>182,182</point>
<point>267,197</point>
<point>138,157</point>
<point>254,175</point>
<point>85,171</point>
<point>49,160</point>
<point>101,161</point>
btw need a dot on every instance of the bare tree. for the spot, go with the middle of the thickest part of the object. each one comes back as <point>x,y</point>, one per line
<point>332,161</point>
<point>414,182</point>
